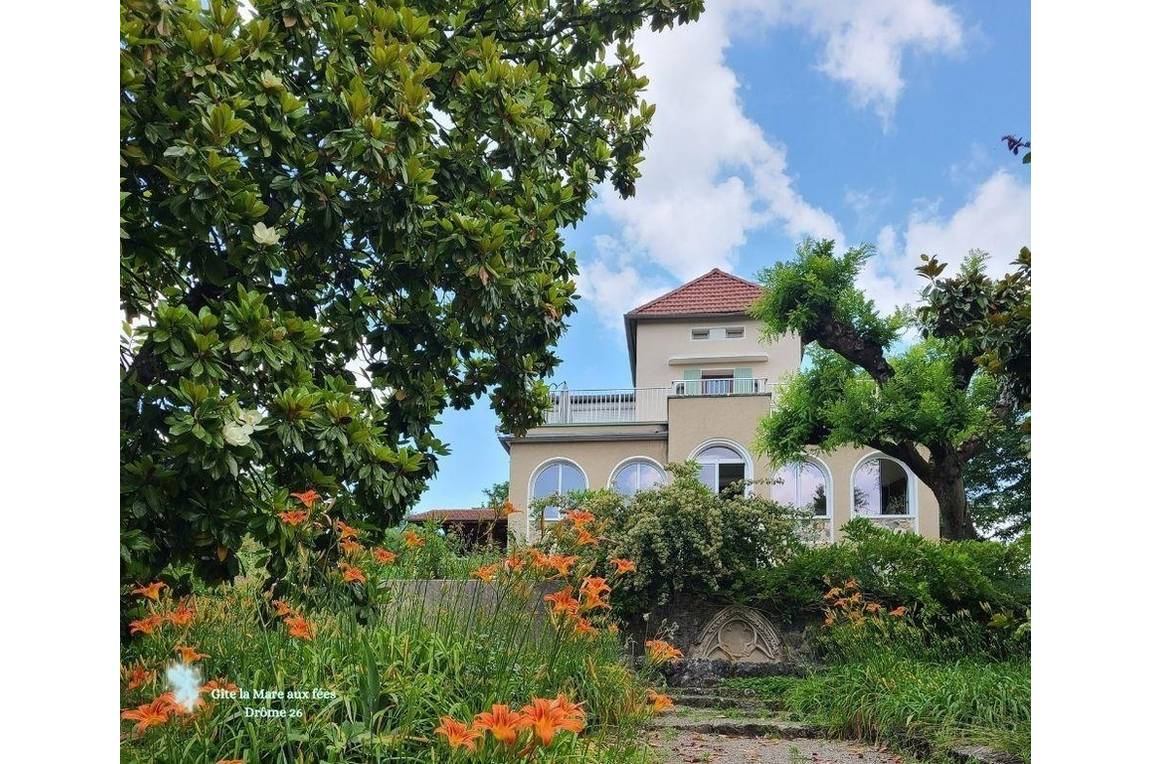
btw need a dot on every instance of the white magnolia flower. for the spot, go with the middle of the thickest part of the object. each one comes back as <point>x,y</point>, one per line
<point>237,434</point>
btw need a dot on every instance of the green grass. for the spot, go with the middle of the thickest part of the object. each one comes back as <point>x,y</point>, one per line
<point>919,704</point>
<point>396,667</point>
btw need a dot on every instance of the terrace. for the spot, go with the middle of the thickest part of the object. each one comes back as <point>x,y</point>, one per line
<point>644,404</point>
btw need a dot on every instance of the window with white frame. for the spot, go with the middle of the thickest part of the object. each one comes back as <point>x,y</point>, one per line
<point>720,467</point>
<point>804,486</point>
<point>882,487</point>
<point>557,478</point>
<point>637,475</point>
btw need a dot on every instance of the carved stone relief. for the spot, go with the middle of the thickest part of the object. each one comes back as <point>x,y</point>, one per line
<point>738,633</point>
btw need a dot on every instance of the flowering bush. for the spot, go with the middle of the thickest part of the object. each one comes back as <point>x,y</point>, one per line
<point>681,537</point>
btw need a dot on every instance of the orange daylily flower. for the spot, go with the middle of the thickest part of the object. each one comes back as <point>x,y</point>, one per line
<point>505,509</point>
<point>307,498</point>
<point>283,608</point>
<point>573,711</point>
<point>545,719</point>
<point>351,573</point>
<point>872,607</point>
<point>851,583</point>
<point>189,654</point>
<point>898,612</point>
<point>300,628</point>
<point>182,615</point>
<point>486,572</point>
<point>830,618</point>
<point>294,516</point>
<point>145,625</point>
<point>514,563</point>
<point>584,626</point>
<point>833,593</point>
<point>591,591</point>
<point>659,702</point>
<point>150,714</point>
<point>345,530</point>
<point>351,547</point>
<point>584,538</point>
<point>623,565</point>
<point>138,676</point>
<point>660,651</point>
<point>580,517</point>
<point>501,721</point>
<point>458,734</point>
<point>538,559</point>
<point>151,591</point>
<point>384,556</point>
<point>562,564</point>
<point>563,603</point>
<point>412,539</point>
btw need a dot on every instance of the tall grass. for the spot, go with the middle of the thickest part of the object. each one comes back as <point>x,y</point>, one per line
<point>398,654</point>
<point>916,703</point>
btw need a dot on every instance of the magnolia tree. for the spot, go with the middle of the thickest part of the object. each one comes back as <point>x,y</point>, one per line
<point>935,404</point>
<point>339,218</point>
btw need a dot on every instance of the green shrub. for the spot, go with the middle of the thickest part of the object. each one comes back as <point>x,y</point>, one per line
<point>684,539</point>
<point>935,578</point>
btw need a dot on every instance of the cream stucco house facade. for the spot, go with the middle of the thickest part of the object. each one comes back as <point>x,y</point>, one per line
<point>703,379</point>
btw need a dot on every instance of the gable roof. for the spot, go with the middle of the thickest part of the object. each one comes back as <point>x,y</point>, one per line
<point>714,292</point>
<point>712,295</point>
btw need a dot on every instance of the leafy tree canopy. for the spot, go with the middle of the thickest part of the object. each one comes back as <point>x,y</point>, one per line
<point>333,187</point>
<point>934,404</point>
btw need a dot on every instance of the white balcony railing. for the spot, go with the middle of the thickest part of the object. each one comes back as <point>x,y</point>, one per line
<point>642,404</point>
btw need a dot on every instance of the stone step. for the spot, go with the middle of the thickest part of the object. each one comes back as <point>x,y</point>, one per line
<point>721,701</point>
<point>738,726</point>
<point>727,692</point>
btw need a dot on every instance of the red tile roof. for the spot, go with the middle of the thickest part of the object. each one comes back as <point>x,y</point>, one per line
<point>714,292</point>
<point>452,515</point>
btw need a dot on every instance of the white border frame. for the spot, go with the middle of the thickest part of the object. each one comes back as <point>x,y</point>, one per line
<point>749,464</point>
<point>628,460</point>
<point>913,490</point>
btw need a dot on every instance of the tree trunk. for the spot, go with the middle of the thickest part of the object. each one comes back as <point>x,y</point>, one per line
<point>948,487</point>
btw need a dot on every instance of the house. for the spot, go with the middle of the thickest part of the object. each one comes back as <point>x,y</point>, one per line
<point>476,526</point>
<point>703,378</point>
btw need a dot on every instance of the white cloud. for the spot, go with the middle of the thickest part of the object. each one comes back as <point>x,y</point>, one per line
<point>711,176</point>
<point>996,219</point>
<point>865,42</point>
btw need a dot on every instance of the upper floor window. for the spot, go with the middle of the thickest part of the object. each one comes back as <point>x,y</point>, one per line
<point>718,333</point>
<point>637,475</point>
<point>720,467</point>
<point>881,486</point>
<point>557,478</point>
<point>804,486</point>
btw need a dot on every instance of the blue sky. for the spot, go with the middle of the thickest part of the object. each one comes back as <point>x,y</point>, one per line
<point>872,121</point>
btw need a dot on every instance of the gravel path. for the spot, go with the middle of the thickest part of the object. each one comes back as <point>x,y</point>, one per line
<point>682,747</point>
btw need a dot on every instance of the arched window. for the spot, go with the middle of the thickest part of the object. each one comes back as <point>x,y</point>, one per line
<point>637,475</point>
<point>557,477</point>
<point>882,487</point>
<point>721,466</point>
<point>804,486</point>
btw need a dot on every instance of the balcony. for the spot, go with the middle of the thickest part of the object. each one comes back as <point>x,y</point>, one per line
<point>643,404</point>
